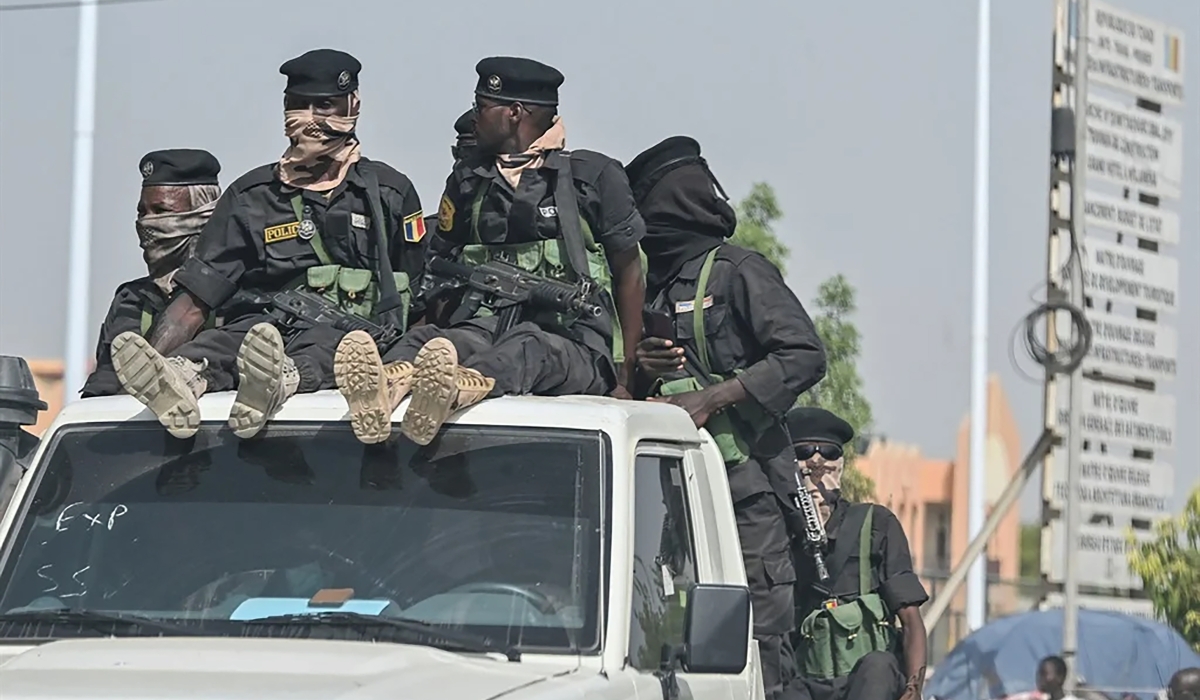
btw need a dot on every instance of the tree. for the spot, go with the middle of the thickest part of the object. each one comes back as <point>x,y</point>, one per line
<point>841,391</point>
<point>1169,566</point>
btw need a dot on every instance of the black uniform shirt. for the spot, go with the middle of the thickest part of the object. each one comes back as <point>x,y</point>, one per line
<point>529,214</point>
<point>248,244</point>
<point>753,323</point>
<point>891,565</point>
<point>124,314</point>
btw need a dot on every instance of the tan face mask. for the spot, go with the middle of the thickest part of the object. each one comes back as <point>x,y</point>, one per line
<point>821,477</point>
<point>511,166</point>
<point>167,240</point>
<point>322,148</point>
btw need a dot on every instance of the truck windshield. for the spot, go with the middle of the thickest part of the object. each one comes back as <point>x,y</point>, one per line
<point>496,532</point>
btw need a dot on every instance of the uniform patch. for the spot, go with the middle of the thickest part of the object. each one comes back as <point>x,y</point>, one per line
<point>684,307</point>
<point>445,214</point>
<point>548,212</point>
<point>281,233</point>
<point>360,221</point>
<point>414,227</point>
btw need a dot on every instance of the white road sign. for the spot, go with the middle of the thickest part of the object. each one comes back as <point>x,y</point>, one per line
<point>1131,217</point>
<point>1134,148</point>
<point>1102,556</point>
<point>1135,54</point>
<point>1130,348</point>
<point>1136,607</point>
<point>1117,414</point>
<point>1126,274</point>
<point>1128,487</point>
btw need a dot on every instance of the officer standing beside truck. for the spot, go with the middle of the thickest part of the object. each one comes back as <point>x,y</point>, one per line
<point>323,218</point>
<point>847,643</point>
<point>179,192</point>
<point>728,341</point>
<point>525,201</point>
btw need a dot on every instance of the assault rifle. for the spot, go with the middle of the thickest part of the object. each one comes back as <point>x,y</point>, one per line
<point>815,538</point>
<point>299,309</point>
<point>508,290</point>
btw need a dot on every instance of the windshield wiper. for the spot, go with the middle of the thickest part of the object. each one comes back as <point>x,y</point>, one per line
<point>416,631</point>
<point>96,619</point>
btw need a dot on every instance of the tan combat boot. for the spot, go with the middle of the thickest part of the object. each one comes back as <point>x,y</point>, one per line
<point>168,386</point>
<point>267,378</point>
<point>372,390</point>
<point>439,388</point>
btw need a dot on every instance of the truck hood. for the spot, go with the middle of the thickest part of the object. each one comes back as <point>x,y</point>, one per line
<point>246,669</point>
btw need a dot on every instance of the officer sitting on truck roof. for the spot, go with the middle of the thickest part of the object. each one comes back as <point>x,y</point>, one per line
<point>847,644</point>
<point>179,192</point>
<point>314,222</point>
<point>461,151</point>
<point>512,208</point>
<point>757,352</point>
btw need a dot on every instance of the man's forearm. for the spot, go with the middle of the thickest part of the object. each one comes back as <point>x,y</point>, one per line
<point>913,640</point>
<point>178,324</point>
<point>630,295</point>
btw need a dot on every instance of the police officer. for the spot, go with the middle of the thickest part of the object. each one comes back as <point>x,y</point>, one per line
<point>847,645</point>
<point>735,348</point>
<point>318,218</point>
<point>511,203</point>
<point>179,191</point>
<point>461,150</point>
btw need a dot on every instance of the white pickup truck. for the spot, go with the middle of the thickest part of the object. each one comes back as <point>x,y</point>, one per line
<point>572,547</point>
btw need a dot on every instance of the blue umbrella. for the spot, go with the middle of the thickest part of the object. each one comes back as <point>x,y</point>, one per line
<point>1118,654</point>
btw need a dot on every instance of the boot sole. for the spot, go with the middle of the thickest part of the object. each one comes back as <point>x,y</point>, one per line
<point>434,390</point>
<point>358,371</point>
<point>144,374</point>
<point>260,372</point>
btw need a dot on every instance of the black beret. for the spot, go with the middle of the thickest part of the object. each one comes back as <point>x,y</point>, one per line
<point>179,167</point>
<point>321,73</point>
<point>511,79</point>
<point>649,166</point>
<point>465,125</point>
<point>807,424</point>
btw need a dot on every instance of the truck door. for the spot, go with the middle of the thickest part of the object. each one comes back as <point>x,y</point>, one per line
<point>664,566</point>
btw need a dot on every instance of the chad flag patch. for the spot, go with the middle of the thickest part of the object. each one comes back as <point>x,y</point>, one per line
<point>414,227</point>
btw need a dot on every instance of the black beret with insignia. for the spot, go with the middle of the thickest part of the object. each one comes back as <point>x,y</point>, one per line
<point>511,79</point>
<point>807,424</point>
<point>179,167</point>
<point>465,125</point>
<point>321,73</point>
<point>649,166</point>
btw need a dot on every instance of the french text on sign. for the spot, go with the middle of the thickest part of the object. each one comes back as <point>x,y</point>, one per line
<point>1103,556</point>
<point>1130,348</point>
<point>1128,606</point>
<point>1135,54</point>
<point>1134,148</point>
<point>1130,217</point>
<point>1115,414</point>
<point>1124,273</point>
<point>1133,478</point>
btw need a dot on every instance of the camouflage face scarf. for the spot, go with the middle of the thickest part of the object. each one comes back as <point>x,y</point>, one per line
<point>824,482</point>
<point>169,239</point>
<point>323,148</point>
<point>511,166</point>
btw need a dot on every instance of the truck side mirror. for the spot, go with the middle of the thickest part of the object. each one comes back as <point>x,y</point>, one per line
<point>716,633</point>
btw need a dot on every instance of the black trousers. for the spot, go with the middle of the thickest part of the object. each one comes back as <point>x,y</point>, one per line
<point>312,350</point>
<point>771,575</point>
<point>876,676</point>
<point>525,360</point>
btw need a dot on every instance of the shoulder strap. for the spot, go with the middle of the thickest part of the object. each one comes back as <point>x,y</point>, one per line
<point>147,320</point>
<point>389,298</point>
<point>864,552</point>
<point>698,310</point>
<point>476,207</point>
<point>568,215</point>
<point>844,545</point>
<point>317,244</point>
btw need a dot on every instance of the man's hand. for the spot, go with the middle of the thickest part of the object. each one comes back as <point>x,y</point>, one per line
<point>621,393</point>
<point>698,404</point>
<point>658,356</point>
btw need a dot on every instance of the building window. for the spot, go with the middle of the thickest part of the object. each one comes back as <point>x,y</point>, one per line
<point>663,559</point>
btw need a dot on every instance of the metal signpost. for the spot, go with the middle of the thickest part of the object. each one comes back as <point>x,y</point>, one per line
<point>1112,239</point>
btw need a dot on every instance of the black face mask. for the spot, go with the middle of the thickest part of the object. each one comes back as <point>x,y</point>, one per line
<point>685,217</point>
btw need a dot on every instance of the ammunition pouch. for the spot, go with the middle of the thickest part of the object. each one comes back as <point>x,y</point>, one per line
<point>354,290</point>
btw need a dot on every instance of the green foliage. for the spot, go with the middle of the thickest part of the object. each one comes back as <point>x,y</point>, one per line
<point>1031,551</point>
<point>841,391</point>
<point>1170,569</point>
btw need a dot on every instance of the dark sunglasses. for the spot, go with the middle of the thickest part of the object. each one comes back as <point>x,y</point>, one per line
<point>829,452</point>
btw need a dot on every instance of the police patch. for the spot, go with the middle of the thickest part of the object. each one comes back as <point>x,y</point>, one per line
<point>445,214</point>
<point>683,307</point>
<point>281,233</point>
<point>359,221</point>
<point>414,227</point>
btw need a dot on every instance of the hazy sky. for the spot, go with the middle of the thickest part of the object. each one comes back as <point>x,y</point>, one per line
<point>860,114</point>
